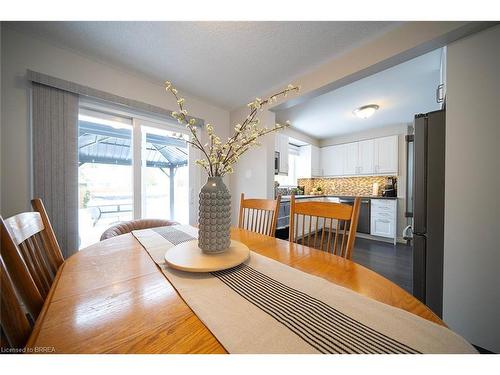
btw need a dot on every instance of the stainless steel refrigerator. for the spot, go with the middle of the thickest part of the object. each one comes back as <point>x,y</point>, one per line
<point>428,208</point>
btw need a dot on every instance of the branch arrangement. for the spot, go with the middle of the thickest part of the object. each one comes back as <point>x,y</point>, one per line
<point>219,158</point>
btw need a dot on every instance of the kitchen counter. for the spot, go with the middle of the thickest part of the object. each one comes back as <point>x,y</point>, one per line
<point>286,198</point>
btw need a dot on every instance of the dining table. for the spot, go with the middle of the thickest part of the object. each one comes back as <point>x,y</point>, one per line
<point>111,297</point>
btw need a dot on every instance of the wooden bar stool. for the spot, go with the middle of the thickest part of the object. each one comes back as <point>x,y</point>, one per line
<point>259,215</point>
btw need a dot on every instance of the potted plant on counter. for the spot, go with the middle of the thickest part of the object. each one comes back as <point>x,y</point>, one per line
<point>317,190</point>
<point>214,217</point>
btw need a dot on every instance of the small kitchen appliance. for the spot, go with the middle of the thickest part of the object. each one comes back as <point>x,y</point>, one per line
<point>390,187</point>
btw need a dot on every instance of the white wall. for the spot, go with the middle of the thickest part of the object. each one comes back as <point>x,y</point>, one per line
<point>254,173</point>
<point>399,130</point>
<point>21,52</point>
<point>472,209</point>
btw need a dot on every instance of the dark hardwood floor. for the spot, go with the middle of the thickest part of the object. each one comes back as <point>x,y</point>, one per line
<point>393,262</point>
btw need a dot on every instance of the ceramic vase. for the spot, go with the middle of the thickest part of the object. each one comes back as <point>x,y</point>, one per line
<point>214,217</point>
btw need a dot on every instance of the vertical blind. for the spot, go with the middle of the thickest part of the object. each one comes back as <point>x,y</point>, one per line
<point>55,160</point>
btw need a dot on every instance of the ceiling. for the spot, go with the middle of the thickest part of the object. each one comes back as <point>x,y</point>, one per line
<point>401,92</point>
<point>225,63</point>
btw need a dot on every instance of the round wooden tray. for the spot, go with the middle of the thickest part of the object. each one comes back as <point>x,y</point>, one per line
<point>187,256</point>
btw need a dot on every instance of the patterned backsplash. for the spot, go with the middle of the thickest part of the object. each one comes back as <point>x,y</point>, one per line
<point>344,185</point>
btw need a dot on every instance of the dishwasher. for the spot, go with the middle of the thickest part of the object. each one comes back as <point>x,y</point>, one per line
<point>364,214</point>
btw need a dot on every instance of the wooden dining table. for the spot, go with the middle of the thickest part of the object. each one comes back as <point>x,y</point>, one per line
<point>111,297</point>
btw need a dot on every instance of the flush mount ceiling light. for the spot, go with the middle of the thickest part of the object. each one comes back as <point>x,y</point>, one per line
<point>365,111</point>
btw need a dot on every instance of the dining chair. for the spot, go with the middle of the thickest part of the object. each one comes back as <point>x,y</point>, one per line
<point>14,324</point>
<point>326,221</point>
<point>30,237</point>
<point>259,215</point>
<point>24,282</point>
<point>125,227</point>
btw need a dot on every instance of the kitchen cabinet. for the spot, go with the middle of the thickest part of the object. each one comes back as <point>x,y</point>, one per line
<point>332,160</point>
<point>326,160</point>
<point>281,146</point>
<point>316,170</point>
<point>351,159</point>
<point>364,158</point>
<point>308,164</point>
<point>386,155</point>
<point>383,217</point>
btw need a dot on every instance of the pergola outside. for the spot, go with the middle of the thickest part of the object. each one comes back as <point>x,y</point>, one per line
<point>103,144</point>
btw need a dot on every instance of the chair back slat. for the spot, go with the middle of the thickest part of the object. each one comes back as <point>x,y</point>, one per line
<point>335,219</point>
<point>15,326</point>
<point>259,215</point>
<point>24,225</point>
<point>33,268</point>
<point>39,258</point>
<point>53,251</point>
<point>37,266</point>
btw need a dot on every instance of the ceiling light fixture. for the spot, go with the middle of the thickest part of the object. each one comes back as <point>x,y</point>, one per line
<point>365,111</point>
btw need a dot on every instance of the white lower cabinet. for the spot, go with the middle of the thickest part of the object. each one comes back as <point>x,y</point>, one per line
<point>383,218</point>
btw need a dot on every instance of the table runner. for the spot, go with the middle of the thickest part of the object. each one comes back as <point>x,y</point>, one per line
<point>264,306</point>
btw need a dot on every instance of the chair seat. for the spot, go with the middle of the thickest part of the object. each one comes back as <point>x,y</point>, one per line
<point>128,226</point>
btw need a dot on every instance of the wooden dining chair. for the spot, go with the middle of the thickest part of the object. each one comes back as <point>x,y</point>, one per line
<point>19,273</point>
<point>259,215</point>
<point>14,324</point>
<point>324,223</point>
<point>30,237</point>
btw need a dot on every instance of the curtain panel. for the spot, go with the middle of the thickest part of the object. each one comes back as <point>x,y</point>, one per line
<point>55,160</point>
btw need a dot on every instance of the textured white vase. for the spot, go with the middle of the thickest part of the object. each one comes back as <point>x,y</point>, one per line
<point>214,218</point>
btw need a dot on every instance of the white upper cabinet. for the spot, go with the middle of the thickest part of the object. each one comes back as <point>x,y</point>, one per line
<point>370,157</point>
<point>351,159</point>
<point>386,155</point>
<point>332,160</point>
<point>281,146</point>
<point>316,170</point>
<point>308,163</point>
<point>338,158</point>
<point>365,157</point>
<point>326,160</point>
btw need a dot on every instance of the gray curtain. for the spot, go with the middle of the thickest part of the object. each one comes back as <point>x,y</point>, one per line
<point>55,160</point>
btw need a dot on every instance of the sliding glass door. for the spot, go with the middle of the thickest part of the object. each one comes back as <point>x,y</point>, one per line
<point>165,175</point>
<point>129,168</point>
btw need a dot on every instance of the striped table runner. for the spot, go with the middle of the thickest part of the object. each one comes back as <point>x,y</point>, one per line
<point>264,306</point>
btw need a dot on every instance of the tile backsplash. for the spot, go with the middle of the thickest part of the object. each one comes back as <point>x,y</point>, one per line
<point>344,185</point>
